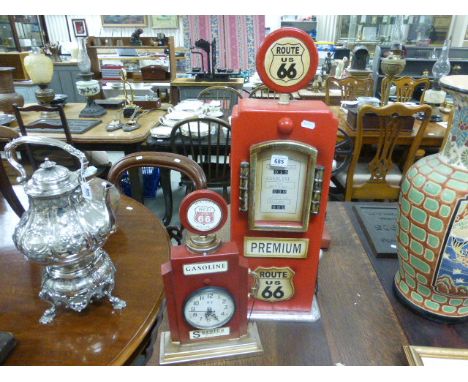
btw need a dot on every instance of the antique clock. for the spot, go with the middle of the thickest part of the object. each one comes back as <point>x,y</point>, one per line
<point>281,162</point>
<point>206,286</point>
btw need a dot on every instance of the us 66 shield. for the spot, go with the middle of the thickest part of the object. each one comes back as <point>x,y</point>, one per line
<point>273,284</point>
<point>287,61</point>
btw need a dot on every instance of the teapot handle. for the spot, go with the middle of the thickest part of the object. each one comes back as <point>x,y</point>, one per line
<point>10,153</point>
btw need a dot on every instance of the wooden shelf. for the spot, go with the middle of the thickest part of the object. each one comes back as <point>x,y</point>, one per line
<point>130,58</point>
<point>96,59</point>
<point>129,47</point>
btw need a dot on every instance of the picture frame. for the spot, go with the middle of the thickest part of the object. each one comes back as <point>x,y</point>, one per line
<point>287,210</point>
<point>80,28</point>
<point>164,22</point>
<point>133,21</point>
<point>435,356</point>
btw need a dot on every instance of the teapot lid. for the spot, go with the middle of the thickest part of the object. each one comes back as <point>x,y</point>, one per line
<point>51,180</point>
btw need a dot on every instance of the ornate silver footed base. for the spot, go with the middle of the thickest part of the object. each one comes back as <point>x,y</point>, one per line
<point>76,286</point>
<point>171,352</point>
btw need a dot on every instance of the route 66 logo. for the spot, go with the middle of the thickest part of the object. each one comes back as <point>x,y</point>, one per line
<point>286,61</point>
<point>273,284</point>
<point>204,215</point>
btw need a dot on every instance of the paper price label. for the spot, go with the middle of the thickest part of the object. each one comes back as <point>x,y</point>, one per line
<point>279,161</point>
<point>86,189</point>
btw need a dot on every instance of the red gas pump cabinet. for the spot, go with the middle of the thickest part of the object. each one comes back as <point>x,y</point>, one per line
<point>281,162</point>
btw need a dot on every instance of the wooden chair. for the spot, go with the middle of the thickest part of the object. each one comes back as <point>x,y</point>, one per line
<point>350,87</point>
<point>39,153</point>
<point>380,178</point>
<point>263,92</point>
<point>56,155</point>
<point>6,187</point>
<point>405,87</point>
<point>208,142</point>
<point>226,95</point>
<point>167,161</point>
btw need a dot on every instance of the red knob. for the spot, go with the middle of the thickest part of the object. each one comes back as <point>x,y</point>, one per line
<point>285,126</point>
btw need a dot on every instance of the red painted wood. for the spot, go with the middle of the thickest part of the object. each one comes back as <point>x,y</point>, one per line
<point>254,121</point>
<point>179,287</point>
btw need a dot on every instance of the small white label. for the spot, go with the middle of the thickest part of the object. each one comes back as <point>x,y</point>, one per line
<point>202,268</point>
<point>279,161</point>
<point>86,191</point>
<point>275,247</point>
<point>208,333</point>
<point>308,124</point>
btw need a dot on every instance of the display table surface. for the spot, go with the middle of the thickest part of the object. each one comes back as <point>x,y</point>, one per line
<point>307,94</point>
<point>234,82</point>
<point>361,322</point>
<point>183,88</point>
<point>98,137</point>
<point>98,335</point>
<point>433,136</point>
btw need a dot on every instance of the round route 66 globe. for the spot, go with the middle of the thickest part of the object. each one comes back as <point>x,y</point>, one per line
<point>203,212</point>
<point>287,60</point>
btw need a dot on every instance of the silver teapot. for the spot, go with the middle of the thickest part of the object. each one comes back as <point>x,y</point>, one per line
<point>64,229</point>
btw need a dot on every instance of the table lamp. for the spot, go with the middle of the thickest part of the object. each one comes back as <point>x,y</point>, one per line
<point>395,62</point>
<point>435,97</point>
<point>86,86</point>
<point>40,69</point>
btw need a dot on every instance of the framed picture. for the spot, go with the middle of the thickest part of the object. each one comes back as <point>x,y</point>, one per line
<point>79,27</point>
<point>124,21</point>
<point>434,356</point>
<point>165,22</point>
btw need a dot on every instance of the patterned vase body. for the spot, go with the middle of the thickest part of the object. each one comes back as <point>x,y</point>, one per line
<point>432,231</point>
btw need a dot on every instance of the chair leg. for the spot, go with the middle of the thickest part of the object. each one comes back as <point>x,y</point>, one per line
<point>225,194</point>
<point>9,193</point>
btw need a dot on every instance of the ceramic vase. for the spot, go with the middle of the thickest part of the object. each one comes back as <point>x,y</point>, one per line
<point>8,96</point>
<point>432,233</point>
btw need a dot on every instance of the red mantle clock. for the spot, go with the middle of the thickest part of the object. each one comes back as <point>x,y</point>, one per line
<point>281,159</point>
<point>206,286</point>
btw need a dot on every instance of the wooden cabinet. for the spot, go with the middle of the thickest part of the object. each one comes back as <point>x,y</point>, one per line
<point>15,60</point>
<point>64,81</point>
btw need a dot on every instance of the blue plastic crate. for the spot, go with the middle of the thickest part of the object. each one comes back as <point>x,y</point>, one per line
<point>151,177</point>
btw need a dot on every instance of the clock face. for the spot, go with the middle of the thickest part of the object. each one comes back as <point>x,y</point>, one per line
<point>209,308</point>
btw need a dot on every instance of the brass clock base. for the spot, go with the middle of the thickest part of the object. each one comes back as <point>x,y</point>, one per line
<point>312,316</point>
<point>170,352</point>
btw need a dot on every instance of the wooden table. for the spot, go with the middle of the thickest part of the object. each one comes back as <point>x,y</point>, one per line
<point>98,138</point>
<point>335,95</point>
<point>98,335</point>
<point>433,136</point>
<point>361,321</point>
<point>189,87</point>
<point>358,325</point>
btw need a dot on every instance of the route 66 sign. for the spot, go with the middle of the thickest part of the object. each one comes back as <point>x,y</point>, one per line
<point>287,60</point>
<point>274,284</point>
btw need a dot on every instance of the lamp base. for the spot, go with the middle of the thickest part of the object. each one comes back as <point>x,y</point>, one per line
<point>92,110</point>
